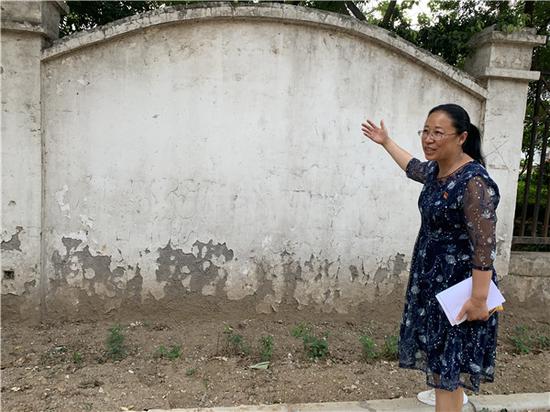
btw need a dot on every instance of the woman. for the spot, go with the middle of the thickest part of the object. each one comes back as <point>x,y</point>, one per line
<point>456,240</point>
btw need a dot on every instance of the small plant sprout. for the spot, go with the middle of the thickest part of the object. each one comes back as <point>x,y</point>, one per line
<point>173,353</point>
<point>116,350</point>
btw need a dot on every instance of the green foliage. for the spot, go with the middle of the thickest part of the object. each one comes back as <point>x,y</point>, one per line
<point>235,343</point>
<point>77,358</point>
<point>368,347</point>
<point>314,347</point>
<point>266,348</point>
<point>542,342</point>
<point>85,15</point>
<point>190,371</point>
<point>530,205</point>
<point>390,349</point>
<point>173,353</point>
<point>301,330</point>
<point>524,340</point>
<point>116,350</point>
<point>521,340</point>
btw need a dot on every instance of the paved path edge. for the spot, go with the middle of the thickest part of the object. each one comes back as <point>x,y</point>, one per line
<point>518,402</point>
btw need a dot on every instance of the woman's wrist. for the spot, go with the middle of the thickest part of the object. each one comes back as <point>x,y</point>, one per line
<point>478,299</point>
<point>387,143</point>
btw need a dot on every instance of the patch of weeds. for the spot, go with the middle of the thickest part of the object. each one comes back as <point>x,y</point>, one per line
<point>524,340</point>
<point>234,342</point>
<point>77,358</point>
<point>190,371</point>
<point>116,350</point>
<point>173,353</point>
<point>54,355</point>
<point>314,347</point>
<point>300,330</point>
<point>266,348</point>
<point>368,348</point>
<point>390,350</point>
<point>521,340</point>
<point>543,342</point>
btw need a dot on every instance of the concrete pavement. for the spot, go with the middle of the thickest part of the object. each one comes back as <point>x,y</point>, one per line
<point>520,402</point>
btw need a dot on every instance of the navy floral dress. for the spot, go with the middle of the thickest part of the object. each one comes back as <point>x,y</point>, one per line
<point>457,234</point>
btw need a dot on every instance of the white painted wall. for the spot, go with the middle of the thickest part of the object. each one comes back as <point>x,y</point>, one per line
<point>187,133</point>
<point>221,154</point>
<point>21,163</point>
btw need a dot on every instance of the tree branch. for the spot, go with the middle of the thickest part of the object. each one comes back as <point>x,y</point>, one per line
<point>355,10</point>
<point>388,16</point>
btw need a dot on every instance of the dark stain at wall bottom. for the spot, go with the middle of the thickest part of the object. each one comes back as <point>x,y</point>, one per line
<point>102,289</point>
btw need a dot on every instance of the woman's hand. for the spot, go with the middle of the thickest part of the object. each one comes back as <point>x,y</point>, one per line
<point>376,134</point>
<point>474,309</point>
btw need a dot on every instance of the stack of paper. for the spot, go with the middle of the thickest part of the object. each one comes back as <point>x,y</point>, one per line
<point>453,298</point>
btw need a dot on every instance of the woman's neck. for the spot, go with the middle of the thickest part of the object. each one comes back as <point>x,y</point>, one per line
<point>448,166</point>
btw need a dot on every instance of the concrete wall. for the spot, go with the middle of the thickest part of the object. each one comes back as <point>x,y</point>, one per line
<point>27,28</point>
<point>216,151</point>
<point>529,279</point>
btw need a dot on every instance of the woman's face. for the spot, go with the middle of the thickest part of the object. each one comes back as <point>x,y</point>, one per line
<point>439,138</point>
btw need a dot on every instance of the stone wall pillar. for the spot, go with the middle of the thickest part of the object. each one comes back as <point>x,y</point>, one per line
<point>502,63</point>
<point>27,27</point>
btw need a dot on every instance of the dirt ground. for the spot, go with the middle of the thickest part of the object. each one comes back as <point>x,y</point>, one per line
<point>65,366</point>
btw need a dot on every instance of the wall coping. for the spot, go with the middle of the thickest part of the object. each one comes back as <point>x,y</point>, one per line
<point>265,12</point>
<point>526,36</point>
<point>513,74</point>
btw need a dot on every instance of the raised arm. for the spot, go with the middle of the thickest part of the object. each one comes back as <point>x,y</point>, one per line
<point>414,168</point>
<point>380,135</point>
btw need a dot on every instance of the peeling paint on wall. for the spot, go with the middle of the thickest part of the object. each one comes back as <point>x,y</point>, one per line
<point>60,197</point>
<point>212,269</point>
<point>196,271</point>
<point>90,272</point>
<point>13,243</point>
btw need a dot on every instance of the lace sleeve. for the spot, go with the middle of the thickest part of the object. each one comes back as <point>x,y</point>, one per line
<point>417,170</point>
<point>480,202</point>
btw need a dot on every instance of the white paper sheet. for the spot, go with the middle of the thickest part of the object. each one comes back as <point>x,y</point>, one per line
<point>452,299</point>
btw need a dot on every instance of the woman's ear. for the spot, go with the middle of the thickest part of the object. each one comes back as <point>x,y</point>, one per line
<point>462,138</point>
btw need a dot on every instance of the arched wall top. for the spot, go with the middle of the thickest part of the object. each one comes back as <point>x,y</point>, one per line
<point>268,12</point>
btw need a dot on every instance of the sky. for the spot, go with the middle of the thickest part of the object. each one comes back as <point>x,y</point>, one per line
<point>421,7</point>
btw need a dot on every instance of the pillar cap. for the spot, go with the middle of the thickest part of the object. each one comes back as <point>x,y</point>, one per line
<point>527,36</point>
<point>41,18</point>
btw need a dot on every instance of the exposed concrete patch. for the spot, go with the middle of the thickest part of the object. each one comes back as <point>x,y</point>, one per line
<point>196,271</point>
<point>13,243</point>
<point>92,274</point>
<point>211,269</point>
<point>391,268</point>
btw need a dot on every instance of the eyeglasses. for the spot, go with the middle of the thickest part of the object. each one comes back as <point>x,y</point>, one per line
<point>437,135</point>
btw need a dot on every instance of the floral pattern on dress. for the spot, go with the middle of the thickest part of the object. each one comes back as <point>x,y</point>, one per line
<point>457,234</point>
